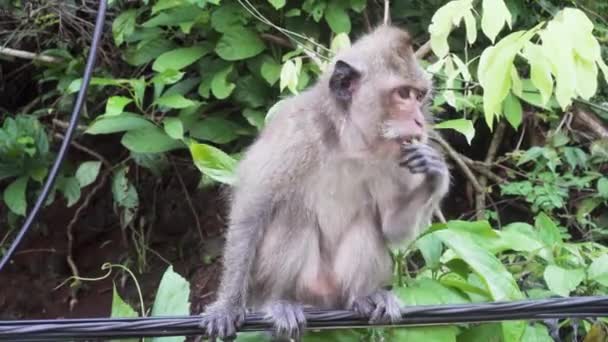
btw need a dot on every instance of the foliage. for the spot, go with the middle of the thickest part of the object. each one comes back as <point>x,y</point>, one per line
<point>199,79</point>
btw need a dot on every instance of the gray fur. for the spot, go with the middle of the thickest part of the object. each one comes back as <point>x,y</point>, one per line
<point>321,194</point>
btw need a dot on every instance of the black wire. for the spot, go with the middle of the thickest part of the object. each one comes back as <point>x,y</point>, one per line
<point>98,328</point>
<point>80,99</point>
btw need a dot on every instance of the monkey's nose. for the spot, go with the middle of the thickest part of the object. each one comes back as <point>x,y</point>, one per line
<point>419,122</point>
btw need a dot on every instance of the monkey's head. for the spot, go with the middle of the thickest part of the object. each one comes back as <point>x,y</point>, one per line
<point>381,88</point>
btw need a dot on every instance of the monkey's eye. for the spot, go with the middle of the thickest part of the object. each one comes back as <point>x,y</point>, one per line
<point>420,94</point>
<point>404,92</point>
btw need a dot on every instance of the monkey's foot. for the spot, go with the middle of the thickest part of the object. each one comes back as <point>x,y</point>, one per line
<point>289,320</point>
<point>381,307</point>
<point>222,321</point>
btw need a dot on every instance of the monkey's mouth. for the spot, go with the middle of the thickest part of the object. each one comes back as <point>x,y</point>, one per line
<point>407,140</point>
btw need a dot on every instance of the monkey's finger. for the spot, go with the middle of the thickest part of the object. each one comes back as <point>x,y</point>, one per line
<point>378,316</point>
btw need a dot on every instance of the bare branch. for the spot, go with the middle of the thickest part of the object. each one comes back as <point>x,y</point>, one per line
<point>387,12</point>
<point>28,55</point>
<point>423,50</point>
<point>455,156</point>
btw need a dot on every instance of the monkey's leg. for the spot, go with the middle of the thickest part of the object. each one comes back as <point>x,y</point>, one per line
<point>289,320</point>
<point>381,307</point>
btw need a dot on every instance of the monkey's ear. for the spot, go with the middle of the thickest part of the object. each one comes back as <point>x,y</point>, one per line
<point>344,81</point>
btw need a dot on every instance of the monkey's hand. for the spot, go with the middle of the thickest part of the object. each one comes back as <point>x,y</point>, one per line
<point>222,320</point>
<point>422,158</point>
<point>288,317</point>
<point>381,307</point>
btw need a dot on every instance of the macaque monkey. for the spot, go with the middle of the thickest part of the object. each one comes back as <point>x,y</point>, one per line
<point>343,171</point>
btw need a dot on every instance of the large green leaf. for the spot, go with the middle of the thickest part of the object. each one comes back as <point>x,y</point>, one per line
<point>220,86</point>
<point>239,43</point>
<point>179,58</point>
<point>118,123</point>
<point>116,105</point>
<point>463,126</point>
<point>495,15</point>
<point>547,229</point>
<point>426,291</point>
<point>14,195</point>
<point>176,101</point>
<point>540,70</point>
<point>598,270</point>
<point>337,18</point>
<point>172,299</point>
<point>487,332</point>
<point>449,15</point>
<point>150,140</point>
<point>87,172</point>
<point>70,187</point>
<point>124,25</point>
<point>214,163</point>
<point>513,110</point>
<point>562,281</point>
<point>495,276</point>
<point>216,130</point>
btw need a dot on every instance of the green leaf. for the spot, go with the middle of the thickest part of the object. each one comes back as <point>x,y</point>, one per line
<point>536,333</point>
<point>220,86</point>
<point>174,127</point>
<point>254,117</point>
<point>602,187</point>
<point>123,25</point>
<point>513,110</point>
<point>427,334</point>
<point>179,58</point>
<point>494,71</point>
<point>146,51</point>
<point>547,229</point>
<point>598,270</point>
<point>495,276</point>
<point>449,15</point>
<point>14,196</point>
<point>340,41</point>
<point>177,101</point>
<point>540,70</point>
<point>495,15</point>
<point>172,299</point>
<point>168,76</point>
<point>214,163</point>
<point>290,73</point>
<point>116,105</point>
<point>70,187</point>
<point>120,123</point>
<point>239,43</point>
<point>87,172</point>
<point>120,309</point>
<point>270,70</point>
<point>562,281</point>
<point>471,26</point>
<point>430,247</point>
<point>216,130</point>
<point>337,18</point>
<point>123,191</point>
<point>227,16</point>
<point>463,126</point>
<point>341,335</point>
<point>499,281</point>
<point>486,332</point>
<point>277,4</point>
<point>149,140</point>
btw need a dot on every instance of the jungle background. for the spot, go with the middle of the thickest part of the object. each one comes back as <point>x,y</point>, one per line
<point>135,222</point>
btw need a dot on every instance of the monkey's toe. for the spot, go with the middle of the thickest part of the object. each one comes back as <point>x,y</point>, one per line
<point>289,320</point>
<point>381,307</point>
<point>222,323</point>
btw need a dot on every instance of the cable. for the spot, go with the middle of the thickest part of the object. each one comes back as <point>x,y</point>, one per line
<point>80,99</point>
<point>87,328</point>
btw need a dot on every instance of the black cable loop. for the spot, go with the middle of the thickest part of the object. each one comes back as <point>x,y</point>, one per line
<point>80,99</point>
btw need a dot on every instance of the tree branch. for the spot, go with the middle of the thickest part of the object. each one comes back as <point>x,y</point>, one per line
<point>423,50</point>
<point>455,156</point>
<point>28,55</point>
<point>480,197</point>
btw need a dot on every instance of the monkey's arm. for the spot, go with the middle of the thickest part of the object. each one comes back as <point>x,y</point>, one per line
<point>249,214</point>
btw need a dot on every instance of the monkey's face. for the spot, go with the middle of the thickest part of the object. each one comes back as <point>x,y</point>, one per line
<point>383,89</point>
